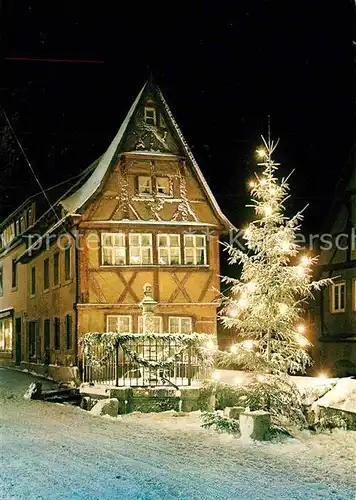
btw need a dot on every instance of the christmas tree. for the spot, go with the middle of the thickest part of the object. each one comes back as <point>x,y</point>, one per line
<point>266,305</point>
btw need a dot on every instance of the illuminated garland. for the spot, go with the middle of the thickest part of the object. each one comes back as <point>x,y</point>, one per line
<point>204,346</point>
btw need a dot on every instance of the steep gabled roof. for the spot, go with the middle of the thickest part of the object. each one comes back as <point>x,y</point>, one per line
<point>75,202</point>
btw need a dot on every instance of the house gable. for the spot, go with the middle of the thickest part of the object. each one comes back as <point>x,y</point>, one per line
<point>148,144</point>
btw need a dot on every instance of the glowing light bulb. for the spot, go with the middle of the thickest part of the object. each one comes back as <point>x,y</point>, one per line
<point>260,378</point>
<point>283,308</point>
<point>233,348</point>
<point>268,210</point>
<point>300,329</point>
<point>304,261</point>
<point>242,303</point>
<point>252,184</point>
<point>210,345</point>
<point>251,286</point>
<point>285,246</point>
<point>247,232</point>
<point>247,344</point>
<point>300,270</point>
<point>261,153</point>
<point>233,312</point>
<point>302,341</point>
<point>216,375</point>
<point>263,182</point>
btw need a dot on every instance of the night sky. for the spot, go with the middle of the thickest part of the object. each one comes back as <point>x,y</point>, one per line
<point>223,68</point>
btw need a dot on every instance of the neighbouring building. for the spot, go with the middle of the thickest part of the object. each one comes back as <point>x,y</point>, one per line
<point>141,213</point>
<point>334,311</point>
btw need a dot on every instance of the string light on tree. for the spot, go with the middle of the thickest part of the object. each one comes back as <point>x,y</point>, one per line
<point>270,313</point>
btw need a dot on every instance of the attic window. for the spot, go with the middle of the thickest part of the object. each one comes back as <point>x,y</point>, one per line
<point>144,184</point>
<point>162,184</point>
<point>150,116</point>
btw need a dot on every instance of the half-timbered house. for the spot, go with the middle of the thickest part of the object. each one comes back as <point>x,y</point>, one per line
<point>141,214</point>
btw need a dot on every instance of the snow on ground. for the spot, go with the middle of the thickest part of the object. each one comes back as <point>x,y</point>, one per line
<point>52,451</point>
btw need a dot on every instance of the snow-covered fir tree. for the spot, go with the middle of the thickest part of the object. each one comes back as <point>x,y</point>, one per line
<point>266,305</point>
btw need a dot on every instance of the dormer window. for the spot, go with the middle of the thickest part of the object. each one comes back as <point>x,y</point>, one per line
<point>150,116</point>
<point>162,184</point>
<point>144,184</point>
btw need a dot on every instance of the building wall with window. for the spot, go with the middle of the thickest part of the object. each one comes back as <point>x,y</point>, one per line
<point>334,310</point>
<point>13,287</point>
<point>51,298</point>
<point>142,213</point>
<point>150,223</point>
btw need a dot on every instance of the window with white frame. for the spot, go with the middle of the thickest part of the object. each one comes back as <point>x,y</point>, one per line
<point>150,115</point>
<point>178,324</point>
<point>113,250</point>
<point>169,249</point>
<point>195,249</point>
<point>338,297</point>
<point>144,185</point>
<point>163,186</point>
<point>157,324</point>
<point>119,323</point>
<point>140,248</point>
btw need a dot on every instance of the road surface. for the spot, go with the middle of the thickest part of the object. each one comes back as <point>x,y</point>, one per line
<point>53,451</point>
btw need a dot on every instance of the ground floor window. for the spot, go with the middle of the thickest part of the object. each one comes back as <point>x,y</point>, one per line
<point>179,324</point>
<point>118,323</point>
<point>6,335</point>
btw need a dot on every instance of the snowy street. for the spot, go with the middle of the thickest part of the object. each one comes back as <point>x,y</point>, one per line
<point>53,451</point>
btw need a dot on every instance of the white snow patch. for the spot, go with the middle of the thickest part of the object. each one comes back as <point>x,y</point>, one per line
<point>340,397</point>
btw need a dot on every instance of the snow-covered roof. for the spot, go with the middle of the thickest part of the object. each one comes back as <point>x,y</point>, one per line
<point>75,201</point>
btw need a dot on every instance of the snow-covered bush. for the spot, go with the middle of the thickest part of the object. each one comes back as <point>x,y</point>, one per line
<point>275,394</point>
<point>218,421</point>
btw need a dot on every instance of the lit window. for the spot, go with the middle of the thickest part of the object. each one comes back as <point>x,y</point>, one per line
<point>162,123</point>
<point>195,249</point>
<point>144,184</point>
<point>180,324</point>
<point>22,224</point>
<point>6,335</point>
<point>338,297</point>
<point>169,249</point>
<point>143,326</point>
<point>140,249</point>
<point>113,251</point>
<point>162,186</point>
<point>8,234</point>
<point>150,116</point>
<point>29,217</point>
<point>118,324</point>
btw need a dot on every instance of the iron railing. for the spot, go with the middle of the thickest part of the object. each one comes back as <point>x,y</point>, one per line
<point>120,369</point>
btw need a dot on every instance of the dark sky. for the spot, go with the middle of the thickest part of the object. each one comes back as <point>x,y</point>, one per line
<point>223,68</point>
